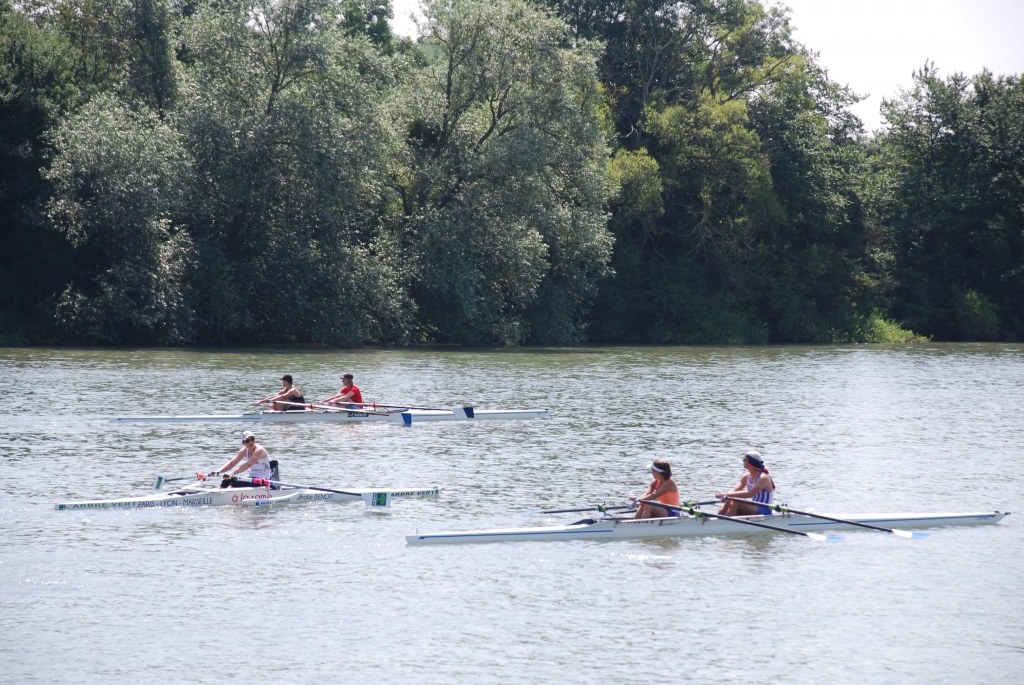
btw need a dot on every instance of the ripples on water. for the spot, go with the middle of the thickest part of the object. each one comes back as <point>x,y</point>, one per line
<point>331,592</point>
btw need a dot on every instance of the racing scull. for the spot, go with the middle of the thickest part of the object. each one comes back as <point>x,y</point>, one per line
<point>614,528</point>
<point>400,417</point>
<point>200,496</point>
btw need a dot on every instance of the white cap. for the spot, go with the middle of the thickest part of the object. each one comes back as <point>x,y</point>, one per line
<point>246,435</point>
<point>755,458</point>
<point>652,467</point>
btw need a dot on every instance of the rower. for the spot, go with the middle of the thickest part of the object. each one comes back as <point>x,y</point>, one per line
<point>663,489</point>
<point>756,485</point>
<point>349,394</point>
<point>288,399</point>
<point>252,456</point>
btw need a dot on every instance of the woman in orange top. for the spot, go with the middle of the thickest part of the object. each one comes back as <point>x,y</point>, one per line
<point>662,489</point>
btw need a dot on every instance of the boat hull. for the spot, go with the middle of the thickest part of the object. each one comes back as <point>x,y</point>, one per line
<point>184,499</point>
<point>618,529</point>
<point>406,418</point>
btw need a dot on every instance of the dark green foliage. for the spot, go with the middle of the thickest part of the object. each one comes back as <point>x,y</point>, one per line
<point>953,160</point>
<point>757,234</point>
<point>500,178</point>
<point>247,171</point>
<point>37,88</point>
<point>369,18</point>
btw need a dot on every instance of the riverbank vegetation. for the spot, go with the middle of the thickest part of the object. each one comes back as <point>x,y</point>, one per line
<point>259,171</point>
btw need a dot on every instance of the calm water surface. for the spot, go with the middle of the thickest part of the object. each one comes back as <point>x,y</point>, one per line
<point>331,593</point>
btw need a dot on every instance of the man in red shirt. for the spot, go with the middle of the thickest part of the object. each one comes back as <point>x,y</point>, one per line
<point>349,394</point>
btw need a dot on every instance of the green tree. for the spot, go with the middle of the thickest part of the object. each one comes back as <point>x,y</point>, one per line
<point>953,163</point>
<point>121,183</point>
<point>281,111</point>
<point>369,18</point>
<point>37,88</point>
<point>500,177</point>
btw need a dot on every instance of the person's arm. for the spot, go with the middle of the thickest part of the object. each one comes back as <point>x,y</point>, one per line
<point>737,491</point>
<point>235,460</point>
<point>272,398</point>
<point>332,398</point>
<point>290,395</point>
<point>740,493</point>
<point>647,493</point>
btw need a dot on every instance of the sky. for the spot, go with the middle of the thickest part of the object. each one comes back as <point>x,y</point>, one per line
<point>874,46</point>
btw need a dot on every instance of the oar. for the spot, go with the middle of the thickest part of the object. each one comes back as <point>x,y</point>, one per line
<point>786,510</point>
<point>602,508</point>
<point>329,407</point>
<point>160,480</point>
<point>404,406</point>
<point>817,537</point>
<point>375,405</point>
<point>371,499</point>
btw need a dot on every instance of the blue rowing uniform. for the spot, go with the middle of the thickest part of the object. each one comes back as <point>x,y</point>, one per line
<point>764,497</point>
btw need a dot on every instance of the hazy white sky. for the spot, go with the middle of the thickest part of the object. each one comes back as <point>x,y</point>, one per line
<point>874,45</point>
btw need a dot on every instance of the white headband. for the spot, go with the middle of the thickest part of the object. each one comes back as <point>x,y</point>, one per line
<point>652,467</point>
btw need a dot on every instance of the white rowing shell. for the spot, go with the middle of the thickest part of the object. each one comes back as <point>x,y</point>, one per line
<point>618,529</point>
<point>240,496</point>
<point>407,417</point>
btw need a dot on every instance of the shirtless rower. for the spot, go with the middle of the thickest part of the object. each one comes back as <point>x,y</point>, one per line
<point>252,456</point>
<point>290,394</point>
<point>756,485</point>
<point>349,394</point>
<point>663,489</point>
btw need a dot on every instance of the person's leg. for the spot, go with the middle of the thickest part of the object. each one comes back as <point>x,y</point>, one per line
<point>650,511</point>
<point>744,509</point>
<point>658,512</point>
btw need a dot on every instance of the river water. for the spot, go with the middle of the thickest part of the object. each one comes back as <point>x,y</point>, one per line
<point>331,592</point>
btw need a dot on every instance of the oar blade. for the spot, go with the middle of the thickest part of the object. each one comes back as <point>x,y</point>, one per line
<point>910,535</point>
<point>819,537</point>
<point>158,483</point>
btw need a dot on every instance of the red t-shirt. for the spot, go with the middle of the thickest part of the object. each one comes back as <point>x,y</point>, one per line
<point>357,397</point>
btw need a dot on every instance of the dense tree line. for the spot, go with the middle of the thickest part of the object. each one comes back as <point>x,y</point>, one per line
<point>249,171</point>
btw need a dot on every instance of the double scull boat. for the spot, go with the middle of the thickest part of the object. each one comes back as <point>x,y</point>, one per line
<point>397,416</point>
<point>617,528</point>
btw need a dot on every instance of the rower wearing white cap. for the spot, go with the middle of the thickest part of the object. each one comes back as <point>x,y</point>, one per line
<point>756,485</point>
<point>663,489</point>
<point>252,456</point>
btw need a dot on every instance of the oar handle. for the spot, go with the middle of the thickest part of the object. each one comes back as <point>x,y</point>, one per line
<point>788,510</point>
<point>194,476</point>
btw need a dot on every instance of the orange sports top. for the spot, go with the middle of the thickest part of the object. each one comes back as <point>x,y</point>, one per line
<point>670,498</point>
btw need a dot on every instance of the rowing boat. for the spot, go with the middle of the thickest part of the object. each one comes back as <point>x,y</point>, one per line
<point>200,496</point>
<point>612,528</point>
<point>404,417</point>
